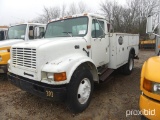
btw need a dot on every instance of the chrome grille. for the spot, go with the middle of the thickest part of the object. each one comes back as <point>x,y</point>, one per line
<point>25,57</point>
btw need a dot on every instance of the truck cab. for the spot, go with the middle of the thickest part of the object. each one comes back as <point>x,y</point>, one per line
<point>149,102</point>
<point>76,51</point>
<point>17,34</point>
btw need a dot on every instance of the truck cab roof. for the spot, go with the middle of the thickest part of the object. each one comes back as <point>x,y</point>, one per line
<point>79,15</point>
<point>28,24</point>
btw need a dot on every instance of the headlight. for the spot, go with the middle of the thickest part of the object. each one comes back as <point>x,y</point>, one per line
<point>54,76</point>
<point>8,65</point>
<point>57,76</point>
<point>156,88</point>
<point>2,51</point>
<point>50,76</point>
<point>151,86</point>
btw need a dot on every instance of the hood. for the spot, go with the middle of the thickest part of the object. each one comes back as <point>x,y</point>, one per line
<point>152,69</point>
<point>39,42</point>
<point>7,43</point>
<point>52,49</point>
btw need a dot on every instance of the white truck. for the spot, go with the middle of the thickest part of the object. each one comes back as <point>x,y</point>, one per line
<point>23,32</point>
<point>17,34</point>
<point>76,52</point>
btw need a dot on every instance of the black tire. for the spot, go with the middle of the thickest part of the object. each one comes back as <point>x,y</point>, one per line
<point>72,90</point>
<point>144,118</point>
<point>128,68</point>
<point>3,76</point>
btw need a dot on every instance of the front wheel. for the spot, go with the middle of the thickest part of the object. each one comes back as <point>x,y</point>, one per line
<point>80,90</point>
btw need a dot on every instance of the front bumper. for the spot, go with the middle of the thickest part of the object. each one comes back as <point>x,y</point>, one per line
<point>152,107</point>
<point>3,69</point>
<point>40,89</point>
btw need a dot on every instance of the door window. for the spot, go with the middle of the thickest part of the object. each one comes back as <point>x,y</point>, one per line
<point>97,29</point>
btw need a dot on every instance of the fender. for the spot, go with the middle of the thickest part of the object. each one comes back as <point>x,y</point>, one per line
<point>142,75</point>
<point>132,51</point>
<point>5,55</point>
<point>69,64</point>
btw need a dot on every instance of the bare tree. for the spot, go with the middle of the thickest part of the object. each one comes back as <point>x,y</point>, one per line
<point>63,10</point>
<point>130,18</point>
<point>113,12</point>
<point>48,14</point>
<point>72,9</point>
<point>107,8</point>
<point>82,7</point>
<point>56,12</point>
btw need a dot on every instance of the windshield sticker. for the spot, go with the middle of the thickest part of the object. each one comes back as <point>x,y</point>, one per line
<point>82,32</point>
<point>22,36</point>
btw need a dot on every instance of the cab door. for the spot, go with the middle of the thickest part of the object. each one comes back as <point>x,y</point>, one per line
<point>99,42</point>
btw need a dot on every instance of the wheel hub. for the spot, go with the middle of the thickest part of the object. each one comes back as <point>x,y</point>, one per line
<point>84,91</point>
<point>131,64</point>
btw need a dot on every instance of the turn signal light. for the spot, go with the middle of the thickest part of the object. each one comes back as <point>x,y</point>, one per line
<point>60,76</point>
<point>147,85</point>
<point>88,46</point>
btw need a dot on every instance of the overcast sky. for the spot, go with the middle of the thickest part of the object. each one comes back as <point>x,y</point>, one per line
<point>13,11</point>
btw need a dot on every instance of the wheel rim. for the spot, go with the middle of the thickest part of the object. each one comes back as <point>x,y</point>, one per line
<point>131,64</point>
<point>84,91</point>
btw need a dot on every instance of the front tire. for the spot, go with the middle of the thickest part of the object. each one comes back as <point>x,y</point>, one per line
<point>79,90</point>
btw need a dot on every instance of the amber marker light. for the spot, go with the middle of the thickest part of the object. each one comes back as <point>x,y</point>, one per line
<point>85,14</point>
<point>60,76</point>
<point>147,85</point>
<point>159,46</point>
<point>88,46</point>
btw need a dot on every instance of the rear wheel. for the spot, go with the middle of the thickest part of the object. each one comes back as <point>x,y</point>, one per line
<point>80,90</point>
<point>128,67</point>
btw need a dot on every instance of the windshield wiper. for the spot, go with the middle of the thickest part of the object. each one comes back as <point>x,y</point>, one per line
<point>69,33</point>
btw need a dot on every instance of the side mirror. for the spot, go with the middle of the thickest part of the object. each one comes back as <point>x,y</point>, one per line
<point>31,36</point>
<point>149,25</point>
<point>152,36</point>
<point>41,35</point>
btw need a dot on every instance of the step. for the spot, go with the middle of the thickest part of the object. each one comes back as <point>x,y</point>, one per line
<point>106,74</point>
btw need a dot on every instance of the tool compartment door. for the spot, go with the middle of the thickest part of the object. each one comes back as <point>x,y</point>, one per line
<point>122,49</point>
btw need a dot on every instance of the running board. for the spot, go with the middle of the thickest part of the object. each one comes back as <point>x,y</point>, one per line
<point>106,74</point>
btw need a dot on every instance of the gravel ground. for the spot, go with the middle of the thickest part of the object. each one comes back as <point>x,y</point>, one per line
<point>110,100</point>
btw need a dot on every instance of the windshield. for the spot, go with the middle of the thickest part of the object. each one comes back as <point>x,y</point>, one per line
<point>67,28</point>
<point>17,32</point>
